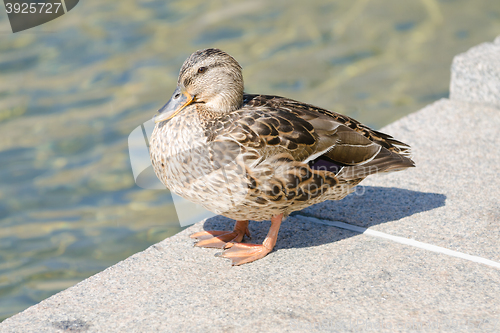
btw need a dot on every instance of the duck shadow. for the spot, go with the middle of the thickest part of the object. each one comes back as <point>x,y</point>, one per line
<point>368,206</point>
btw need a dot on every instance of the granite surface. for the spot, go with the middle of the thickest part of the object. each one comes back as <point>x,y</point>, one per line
<point>475,74</point>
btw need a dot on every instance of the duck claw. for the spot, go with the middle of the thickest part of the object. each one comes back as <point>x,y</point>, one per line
<point>208,234</point>
<point>219,238</point>
<point>240,253</point>
<point>216,239</point>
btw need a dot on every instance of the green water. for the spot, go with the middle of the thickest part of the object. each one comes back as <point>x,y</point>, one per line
<point>72,90</point>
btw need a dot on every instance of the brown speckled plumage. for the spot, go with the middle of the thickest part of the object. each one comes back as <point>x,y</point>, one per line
<point>252,157</point>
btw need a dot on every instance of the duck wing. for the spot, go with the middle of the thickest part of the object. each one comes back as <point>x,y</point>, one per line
<point>274,125</point>
<point>309,112</point>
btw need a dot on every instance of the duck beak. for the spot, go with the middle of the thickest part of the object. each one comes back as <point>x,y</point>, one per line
<point>179,100</point>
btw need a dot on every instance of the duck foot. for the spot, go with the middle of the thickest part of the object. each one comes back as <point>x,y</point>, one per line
<point>219,238</point>
<point>240,253</point>
<point>244,253</point>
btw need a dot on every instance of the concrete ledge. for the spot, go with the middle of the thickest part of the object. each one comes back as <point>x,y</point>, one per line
<point>322,278</point>
<point>475,75</point>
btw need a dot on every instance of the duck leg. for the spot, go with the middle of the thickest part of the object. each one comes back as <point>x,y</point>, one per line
<point>240,253</point>
<point>219,238</point>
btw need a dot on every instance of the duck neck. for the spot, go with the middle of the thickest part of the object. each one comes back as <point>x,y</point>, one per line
<point>220,106</point>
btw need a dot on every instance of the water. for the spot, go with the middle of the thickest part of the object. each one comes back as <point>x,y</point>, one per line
<point>72,90</point>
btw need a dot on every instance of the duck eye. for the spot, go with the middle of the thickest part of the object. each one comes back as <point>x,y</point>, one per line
<point>202,70</point>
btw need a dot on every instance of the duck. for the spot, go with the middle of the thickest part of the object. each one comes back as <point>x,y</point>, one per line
<point>258,157</point>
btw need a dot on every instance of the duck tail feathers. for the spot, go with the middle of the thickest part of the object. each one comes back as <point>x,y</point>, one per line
<point>385,161</point>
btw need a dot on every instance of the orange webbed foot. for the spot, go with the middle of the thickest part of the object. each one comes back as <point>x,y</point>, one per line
<point>240,253</point>
<point>219,238</point>
<point>244,253</point>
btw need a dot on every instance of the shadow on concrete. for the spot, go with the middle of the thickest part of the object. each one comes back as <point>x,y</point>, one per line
<point>367,207</point>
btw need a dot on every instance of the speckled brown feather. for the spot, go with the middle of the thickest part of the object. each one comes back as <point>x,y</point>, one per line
<point>275,138</point>
<point>267,155</point>
<point>309,112</point>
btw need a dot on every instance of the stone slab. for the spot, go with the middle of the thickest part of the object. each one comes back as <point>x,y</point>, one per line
<point>475,75</point>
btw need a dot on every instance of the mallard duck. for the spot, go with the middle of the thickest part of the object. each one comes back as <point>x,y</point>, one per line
<point>258,157</point>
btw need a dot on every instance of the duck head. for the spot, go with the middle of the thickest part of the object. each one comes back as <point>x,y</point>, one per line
<point>210,77</point>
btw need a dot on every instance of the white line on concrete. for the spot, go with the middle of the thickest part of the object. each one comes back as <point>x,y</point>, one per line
<point>402,240</point>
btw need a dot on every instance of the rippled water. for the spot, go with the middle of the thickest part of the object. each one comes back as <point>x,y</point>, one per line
<point>72,90</point>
